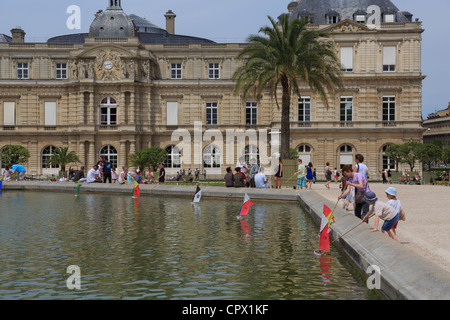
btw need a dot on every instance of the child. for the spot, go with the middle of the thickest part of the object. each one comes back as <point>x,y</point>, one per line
<point>384,211</point>
<point>391,194</point>
<point>301,175</point>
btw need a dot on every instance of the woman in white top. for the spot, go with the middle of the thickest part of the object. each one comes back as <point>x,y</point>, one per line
<point>123,175</point>
<point>360,166</point>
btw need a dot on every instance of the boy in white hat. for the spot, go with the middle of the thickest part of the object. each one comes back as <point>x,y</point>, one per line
<point>391,194</point>
<point>384,211</point>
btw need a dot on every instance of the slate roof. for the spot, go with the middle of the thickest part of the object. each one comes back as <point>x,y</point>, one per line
<point>317,9</point>
<point>4,38</point>
<point>152,35</point>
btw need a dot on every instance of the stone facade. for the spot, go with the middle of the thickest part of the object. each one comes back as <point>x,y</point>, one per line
<point>111,96</point>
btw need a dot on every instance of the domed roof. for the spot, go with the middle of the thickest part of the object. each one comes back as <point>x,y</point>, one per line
<point>317,10</point>
<point>112,22</point>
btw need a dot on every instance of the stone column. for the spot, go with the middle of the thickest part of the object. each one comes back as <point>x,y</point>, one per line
<point>122,155</point>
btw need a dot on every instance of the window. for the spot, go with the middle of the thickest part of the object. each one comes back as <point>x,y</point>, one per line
<point>387,162</point>
<point>251,152</point>
<point>61,71</point>
<point>345,155</point>
<point>175,71</point>
<point>347,59</point>
<point>389,108</point>
<point>50,114</point>
<point>172,113</point>
<point>251,113</point>
<point>211,113</point>
<point>304,109</point>
<point>332,19</point>
<point>213,71</point>
<point>47,154</point>
<point>22,70</point>
<point>360,18</point>
<point>304,153</point>
<point>346,109</point>
<point>9,113</point>
<point>108,111</point>
<point>110,153</point>
<point>211,157</point>
<point>389,18</point>
<point>173,157</point>
<point>389,59</point>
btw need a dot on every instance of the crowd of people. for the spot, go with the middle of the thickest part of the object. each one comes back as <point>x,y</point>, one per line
<point>355,190</point>
<point>354,186</point>
<point>104,172</point>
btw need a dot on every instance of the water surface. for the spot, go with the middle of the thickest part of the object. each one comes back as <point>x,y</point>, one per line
<point>165,248</point>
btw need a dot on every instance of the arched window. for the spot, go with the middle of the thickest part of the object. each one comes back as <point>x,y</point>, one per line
<point>173,157</point>
<point>251,152</point>
<point>108,111</point>
<point>47,153</point>
<point>110,153</point>
<point>387,162</point>
<point>345,155</point>
<point>304,153</point>
<point>211,157</point>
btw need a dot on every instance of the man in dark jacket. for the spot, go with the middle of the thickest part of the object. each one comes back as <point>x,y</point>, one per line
<point>239,178</point>
<point>229,178</point>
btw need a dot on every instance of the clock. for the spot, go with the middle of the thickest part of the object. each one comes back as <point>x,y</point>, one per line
<point>108,65</point>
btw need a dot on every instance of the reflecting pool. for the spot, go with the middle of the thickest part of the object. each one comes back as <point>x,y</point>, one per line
<point>165,248</point>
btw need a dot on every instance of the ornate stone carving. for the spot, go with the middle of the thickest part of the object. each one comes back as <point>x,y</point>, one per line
<point>108,65</point>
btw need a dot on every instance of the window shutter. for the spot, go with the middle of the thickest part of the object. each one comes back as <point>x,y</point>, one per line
<point>50,114</point>
<point>347,58</point>
<point>172,113</point>
<point>389,56</point>
<point>9,113</point>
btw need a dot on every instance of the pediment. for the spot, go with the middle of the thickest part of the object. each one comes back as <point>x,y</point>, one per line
<point>348,26</point>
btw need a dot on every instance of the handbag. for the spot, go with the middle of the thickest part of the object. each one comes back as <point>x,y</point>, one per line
<point>359,195</point>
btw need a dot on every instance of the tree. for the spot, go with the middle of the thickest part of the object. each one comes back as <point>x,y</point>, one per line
<point>409,153</point>
<point>149,157</point>
<point>446,154</point>
<point>428,153</point>
<point>285,55</point>
<point>14,154</point>
<point>62,157</point>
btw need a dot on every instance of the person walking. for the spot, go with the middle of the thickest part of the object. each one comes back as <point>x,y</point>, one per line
<point>278,174</point>
<point>327,175</point>
<point>162,174</point>
<point>309,175</point>
<point>301,175</point>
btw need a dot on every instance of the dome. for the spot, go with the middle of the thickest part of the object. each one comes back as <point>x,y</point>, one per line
<point>317,10</point>
<point>112,22</point>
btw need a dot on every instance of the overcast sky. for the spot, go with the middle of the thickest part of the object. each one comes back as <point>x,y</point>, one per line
<point>233,21</point>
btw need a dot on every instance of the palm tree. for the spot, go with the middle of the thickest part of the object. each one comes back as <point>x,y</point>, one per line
<point>62,157</point>
<point>285,55</point>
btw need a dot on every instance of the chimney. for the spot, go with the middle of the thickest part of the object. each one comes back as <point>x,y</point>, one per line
<point>18,35</point>
<point>292,6</point>
<point>170,21</point>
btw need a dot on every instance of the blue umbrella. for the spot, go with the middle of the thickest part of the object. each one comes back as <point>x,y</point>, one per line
<point>18,168</point>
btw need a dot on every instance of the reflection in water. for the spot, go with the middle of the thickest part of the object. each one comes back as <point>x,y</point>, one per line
<point>165,248</point>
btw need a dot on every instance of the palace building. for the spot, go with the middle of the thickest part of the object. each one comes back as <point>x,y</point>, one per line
<point>129,84</point>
